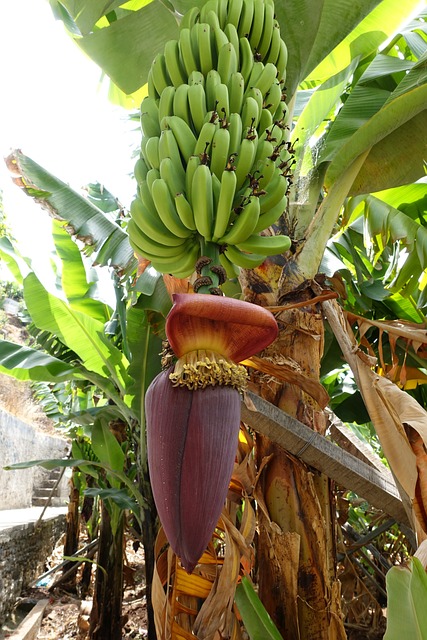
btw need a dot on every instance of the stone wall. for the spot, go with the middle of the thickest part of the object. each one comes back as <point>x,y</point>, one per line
<point>23,550</point>
<point>21,442</point>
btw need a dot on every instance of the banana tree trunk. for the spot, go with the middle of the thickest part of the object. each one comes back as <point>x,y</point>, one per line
<point>296,542</point>
<point>106,613</point>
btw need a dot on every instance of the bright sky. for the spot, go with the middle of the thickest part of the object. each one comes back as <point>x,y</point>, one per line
<point>54,110</point>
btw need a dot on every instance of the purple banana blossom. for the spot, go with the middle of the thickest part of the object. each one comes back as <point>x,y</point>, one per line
<point>193,414</point>
<point>192,442</point>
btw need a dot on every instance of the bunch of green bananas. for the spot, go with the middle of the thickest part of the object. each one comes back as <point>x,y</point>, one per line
<point>214,156</point>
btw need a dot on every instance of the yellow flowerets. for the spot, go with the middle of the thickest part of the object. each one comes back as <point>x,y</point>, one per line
<point>200,369</point>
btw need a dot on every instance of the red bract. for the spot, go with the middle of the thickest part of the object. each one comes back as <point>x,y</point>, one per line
<point>192,442</point>
<point>233,328</point>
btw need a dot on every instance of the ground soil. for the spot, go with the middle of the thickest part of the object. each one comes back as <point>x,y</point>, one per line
<point>66,616</point>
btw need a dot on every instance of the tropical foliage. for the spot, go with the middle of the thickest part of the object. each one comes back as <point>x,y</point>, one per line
<point>356,88</point>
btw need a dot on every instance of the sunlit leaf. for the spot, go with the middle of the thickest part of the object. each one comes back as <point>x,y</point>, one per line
<point>406,610</point>
<point>87,222</point>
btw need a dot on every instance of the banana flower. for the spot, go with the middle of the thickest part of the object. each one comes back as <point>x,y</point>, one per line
<point>193,413</point>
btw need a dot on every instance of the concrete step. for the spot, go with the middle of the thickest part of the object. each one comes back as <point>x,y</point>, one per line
<point>39,502</point>
<point>43,492</point>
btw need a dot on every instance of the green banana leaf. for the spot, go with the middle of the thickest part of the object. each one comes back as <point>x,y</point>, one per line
<point>24,363</point>
<point>102,237</point>
<point>257,621</point>
<point>407,596</point>
<point>125,48</point>
<point>75,286</point>
<point>107,449</point>
<point>80,332</point>
<point>17,265</point>
<point>394,134</point>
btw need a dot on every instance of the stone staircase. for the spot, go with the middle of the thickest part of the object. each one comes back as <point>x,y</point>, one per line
<point>41,493</point>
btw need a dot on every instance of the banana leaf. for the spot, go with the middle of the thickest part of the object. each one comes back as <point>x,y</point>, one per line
<point>104,239</point>
<point>80,332</point>
<point>24,363</point>
<point>407,596</point>
<point>257,621</point>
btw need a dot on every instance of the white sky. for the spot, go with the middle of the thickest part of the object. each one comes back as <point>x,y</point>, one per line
<point>54,110</point>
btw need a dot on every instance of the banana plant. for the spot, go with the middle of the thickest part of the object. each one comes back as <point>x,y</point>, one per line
<point>355,108</point>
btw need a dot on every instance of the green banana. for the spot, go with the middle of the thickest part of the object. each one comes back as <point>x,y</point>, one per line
<point>266,169</point>
<point>235,129</point>
<point>140,170</point>
<point>150,117</point>
<point>266,245</point>
<point>173,176</point>
<point>282,61</point>
<point>264,150</point>
<point>244,225</point>
<point>235,8</point>
<point>256,71</point>
<point>168,148</point>
<point>146,197</point>
<point>267,32</point>
<point>222,10</point>
<point>166,210</point>
<point>147,246</point>
<point>166,102</point>
<point>184,136</point>
<point>206,56</point>
<point>189,18</point>
<point>153,174</point>
<point>222,102</point>
<point>265,121</point>
<point>244,260</point>
<point>255,93</point>
<point>197,103</point>
<point>192,164</point>
<point>196,77</point>
<point>236,90</point>
<point>257,28</point>
<point>210,17</point>
<point>245,160</point>
<point>202,200</point>
<point>160,75</point>
<point>180,267</point>
<point>216,190</point>
<point>266,78</point>
<point>230,269</point>
<point>185,211</point>
<point>212,80</point>
<point>233,37</point>
<point>220,40</point>
<point>174,68</point>
<point>273,46</point>
<point>151,152</point>
<point>272,215</point>
<point>219,151</point>
<point>246,59</point>
<point>181,108</point>
<point>225,204</point>
<point>227,61</point>
<point>276,190</point>
<point>187,57</point>
<point>150,84</point>
<point>151,225</point>
<point>250,113</point>
<point>273,97</point>
<point>204,141</point>
<point>246,18</point>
